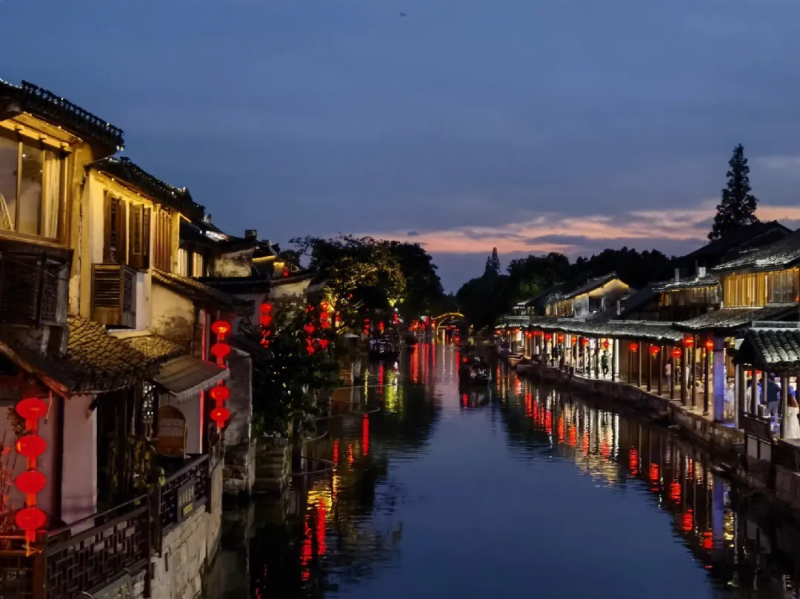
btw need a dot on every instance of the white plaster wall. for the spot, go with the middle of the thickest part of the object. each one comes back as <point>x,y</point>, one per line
<point>192,410</point>
<point>79,468</point>
<point>172,314</point>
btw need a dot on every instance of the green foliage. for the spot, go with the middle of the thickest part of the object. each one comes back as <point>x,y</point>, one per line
<point>492,264</point>
<point>738,206</point>
<point>286,377</point>
<point>366,277</point>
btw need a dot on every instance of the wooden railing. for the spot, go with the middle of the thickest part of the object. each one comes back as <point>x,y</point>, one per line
<point>89,554</point>
<point>184,493</point>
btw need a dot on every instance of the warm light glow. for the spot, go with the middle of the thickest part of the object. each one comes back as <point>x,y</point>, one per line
<point>634,347</point>
<point>31,481</point>
<point>31,445</point>
<point>30,519</point>
<point>220,350</point>
<point>654,349</point>
<point>710,344</point>
<point>220,416</point>
<point>220,393</point>
<point>221,328</point>
<point>688,341</point>
<point>676,352</point>
<point>32,408</point>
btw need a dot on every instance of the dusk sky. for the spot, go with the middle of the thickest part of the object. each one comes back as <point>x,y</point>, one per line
<point>530,125</point>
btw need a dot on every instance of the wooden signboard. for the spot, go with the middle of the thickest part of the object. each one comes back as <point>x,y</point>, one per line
<point>172,432</point>
<point>185,500</point>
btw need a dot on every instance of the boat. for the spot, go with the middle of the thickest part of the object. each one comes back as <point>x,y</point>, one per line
<point>514,359</point>
<point>474,371</point>
<point>526,368</point>
<point>383,349</point>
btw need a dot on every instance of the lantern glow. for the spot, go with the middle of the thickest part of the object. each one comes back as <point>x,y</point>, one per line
<point>220,393</point>
<point>31,481</point>
<point>634,347</point>
<point>221,328</point>
<point>220,350</point>
<point>676,352</point>
<point>31,445</point>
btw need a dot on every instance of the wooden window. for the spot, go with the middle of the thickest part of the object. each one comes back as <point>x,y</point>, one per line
<point>139,250</point>
<point>162,246</point>
<point>183,262</point>
<point>31,187</point>
<point>115,247</point>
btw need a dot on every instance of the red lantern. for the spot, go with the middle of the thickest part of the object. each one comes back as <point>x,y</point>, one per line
<point>220,416</point>
<point>323,343</point>
<point>654,349</point>
<point>286,272</point>
<point>220,350</point>
<point>30,519</point>
<point>221,328</point>
<point>688,341</point>
<point>654,472</point>
<point>265,308</point>
<point>675,492</point>
<point>309,329</point>
<point>265,320</point>
<point>585,341</point>
<point>605,344</point>
<point>688,520</point>
<point>537,333</point>
<point>31,445</point>
<point>31,482</point>
<point>574,339</point>
<point>548,336</point>
<point>32,408</point>
<point>710,345</point>
<point>676,352</point>
<point>634,347</point>
<point>561,338</point>
<point>219,393</point>
<point>708,540</point>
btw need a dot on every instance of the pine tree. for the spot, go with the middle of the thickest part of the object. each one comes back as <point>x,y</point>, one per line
<point>492,264</point>
<point>738,206</point>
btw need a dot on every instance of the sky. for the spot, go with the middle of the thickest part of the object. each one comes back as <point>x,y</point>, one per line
<point>529,125</point>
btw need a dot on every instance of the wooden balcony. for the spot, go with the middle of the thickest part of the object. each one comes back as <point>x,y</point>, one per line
<point>114,295</point>
<point>83,558</point>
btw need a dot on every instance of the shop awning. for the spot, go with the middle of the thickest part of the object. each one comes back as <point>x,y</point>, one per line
<point>186,376</point>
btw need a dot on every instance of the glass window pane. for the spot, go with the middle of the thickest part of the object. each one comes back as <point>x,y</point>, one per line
<point>8,182</point>
<point>30,191</point>
<point>52,189</point>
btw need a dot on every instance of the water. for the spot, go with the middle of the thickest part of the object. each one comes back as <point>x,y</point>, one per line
<point>511,491</point>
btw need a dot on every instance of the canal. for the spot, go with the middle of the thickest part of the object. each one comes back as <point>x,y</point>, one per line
<point>514,490</point>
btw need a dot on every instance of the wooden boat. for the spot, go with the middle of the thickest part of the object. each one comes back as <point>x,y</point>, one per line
<point>474,371</point>
<point>514,359</point>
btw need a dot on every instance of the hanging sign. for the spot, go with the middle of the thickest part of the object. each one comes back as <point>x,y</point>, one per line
<point>172,432</point>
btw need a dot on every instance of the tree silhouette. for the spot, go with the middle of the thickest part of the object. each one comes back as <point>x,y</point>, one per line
<point>492,264</point>
<point>738,206</point>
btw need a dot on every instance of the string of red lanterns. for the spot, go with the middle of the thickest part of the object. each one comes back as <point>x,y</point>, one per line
<point>265,320</point>
<point>221,350</point>
<point>31,482</point>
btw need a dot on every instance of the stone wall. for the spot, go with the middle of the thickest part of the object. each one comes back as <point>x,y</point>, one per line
<point>240,469</point>
<point>273,466</point>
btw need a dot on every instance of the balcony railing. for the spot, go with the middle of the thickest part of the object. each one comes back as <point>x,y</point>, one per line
<point>84,557</point>
<point>89,554</point>
<point>114,295</point>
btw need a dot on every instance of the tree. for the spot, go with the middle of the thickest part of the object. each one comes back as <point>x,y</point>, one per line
<point>424,292</point>
<point>492,264</point>
<point>738,206</point>
<point>297,362</point>
<point>362,276</point>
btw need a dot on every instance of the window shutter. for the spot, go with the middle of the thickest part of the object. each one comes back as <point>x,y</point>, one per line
<point>146,237</point>
<point>109,226</point>
<point>122,230</point>
<point>136,257</point>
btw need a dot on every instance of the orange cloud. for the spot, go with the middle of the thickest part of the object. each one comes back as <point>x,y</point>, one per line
<point>553,232</point>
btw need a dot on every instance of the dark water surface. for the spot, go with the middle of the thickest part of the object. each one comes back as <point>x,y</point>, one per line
<point>509,491</point>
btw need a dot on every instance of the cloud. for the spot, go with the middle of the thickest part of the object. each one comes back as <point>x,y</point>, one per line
<point>779,163</point>
<point>673,230</point>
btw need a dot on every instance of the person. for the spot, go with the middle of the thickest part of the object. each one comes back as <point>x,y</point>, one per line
<point>773,396</point>
<point>668,374</point>
<point>792,422</point>
<point>604,363</point>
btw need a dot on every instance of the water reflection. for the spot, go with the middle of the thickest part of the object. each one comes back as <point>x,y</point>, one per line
<point>440,491</point>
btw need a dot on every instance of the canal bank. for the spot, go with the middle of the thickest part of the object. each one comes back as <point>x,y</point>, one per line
<point>766,467</point>
<point>515,489</point>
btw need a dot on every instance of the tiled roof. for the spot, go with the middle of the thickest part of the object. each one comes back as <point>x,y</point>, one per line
<point>638,300</point>
<point>202,293</point>
<point>255,284</point>
<point>186,376</point>
<point>778,255</point>
<point>131,173</point>
<point>693,283</point>
<point>95,361</point>
<point>740,239</point>
<point>731,319</point>
<point>776,350</point>
<point>155,346</point>
<point>54,109</point>
<point>620,329</point>
<point>590,285</point>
